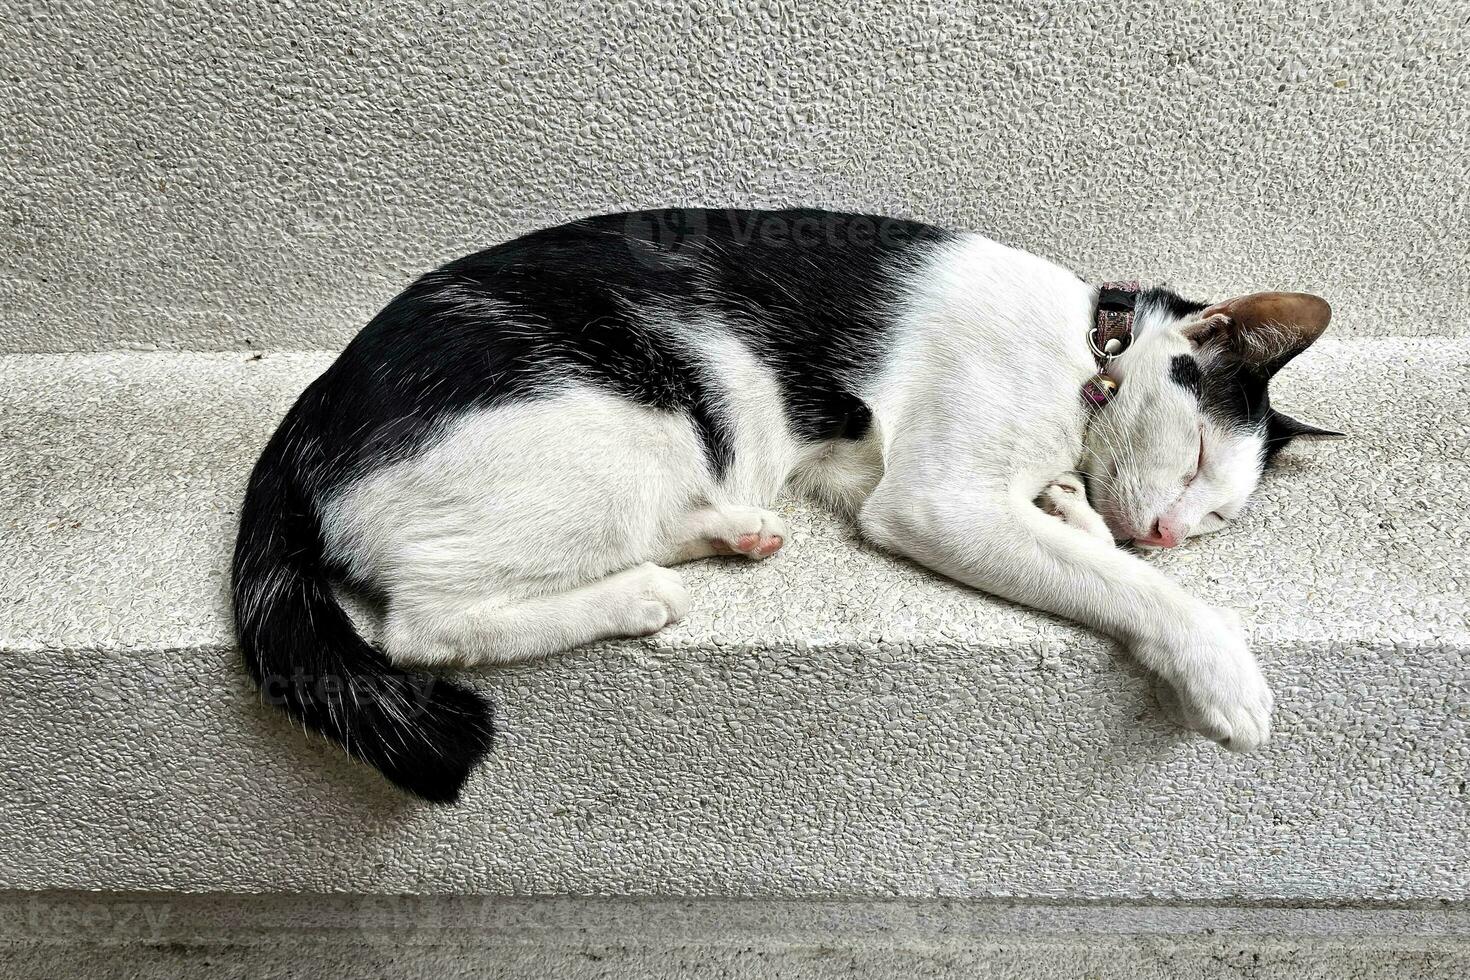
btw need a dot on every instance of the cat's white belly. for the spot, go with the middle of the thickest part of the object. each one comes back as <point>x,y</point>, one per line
<point>523,499</point>
<point>562,502</point>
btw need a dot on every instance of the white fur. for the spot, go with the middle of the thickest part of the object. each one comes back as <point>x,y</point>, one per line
<point>532,527</point>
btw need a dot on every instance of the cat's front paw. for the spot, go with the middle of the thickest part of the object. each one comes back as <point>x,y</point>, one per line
<point>1222,693</point>
<point>649,598</point>
<point>1066,498</point>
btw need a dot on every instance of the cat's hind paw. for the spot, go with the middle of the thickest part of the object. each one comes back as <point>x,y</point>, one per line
<point>747,531</point>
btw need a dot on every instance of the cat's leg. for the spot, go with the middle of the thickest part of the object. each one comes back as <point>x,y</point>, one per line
<point>753,532</point>
<point>427,629</point>
<point>1066,498</point>
<point>528,529</point>
<point>998,541</point>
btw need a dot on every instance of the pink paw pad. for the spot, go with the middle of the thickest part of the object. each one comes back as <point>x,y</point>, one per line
<point>757,545</point>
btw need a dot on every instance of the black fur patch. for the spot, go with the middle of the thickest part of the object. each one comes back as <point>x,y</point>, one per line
<point>1276,439</point>
<point>1237,396</point>
<point>807,291</point>
<point>1174,305</point>
<point>1184,372</point>
<point>1234,394</point>
<point>859,421</point>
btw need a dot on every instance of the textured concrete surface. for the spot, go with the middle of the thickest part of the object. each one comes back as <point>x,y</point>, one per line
<point>145,936</point>
<point>833,722</point>
<point>294,959</point>
<point>205,176</point>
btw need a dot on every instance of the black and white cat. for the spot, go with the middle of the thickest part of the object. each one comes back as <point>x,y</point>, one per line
<point>514,452</point>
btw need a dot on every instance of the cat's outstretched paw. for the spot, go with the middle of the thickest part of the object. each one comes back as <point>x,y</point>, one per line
<point>1222,693</point>
<point>650,597</point>
<point>747,531</point>
<point>1066,498</point>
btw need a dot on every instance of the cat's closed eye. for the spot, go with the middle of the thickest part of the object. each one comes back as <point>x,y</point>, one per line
<point>1199,462</point>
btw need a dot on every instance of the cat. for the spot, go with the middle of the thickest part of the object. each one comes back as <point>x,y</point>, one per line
<point>515,451</point>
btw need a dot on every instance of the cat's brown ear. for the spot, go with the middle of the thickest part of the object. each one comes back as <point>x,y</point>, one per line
<point>1263,329</point>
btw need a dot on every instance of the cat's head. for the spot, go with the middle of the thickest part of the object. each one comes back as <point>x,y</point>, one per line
<point>1181,446</point>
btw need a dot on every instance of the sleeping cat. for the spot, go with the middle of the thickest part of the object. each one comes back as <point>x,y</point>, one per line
<point>515,452</point>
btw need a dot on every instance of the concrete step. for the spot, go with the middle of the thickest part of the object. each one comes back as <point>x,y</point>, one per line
<point>162,937</point>
<point>833,723</point>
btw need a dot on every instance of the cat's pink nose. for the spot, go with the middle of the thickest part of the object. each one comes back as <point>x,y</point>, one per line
<point>1163,534</point>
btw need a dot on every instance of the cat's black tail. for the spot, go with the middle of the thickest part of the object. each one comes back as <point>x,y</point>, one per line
<point>425,734</point>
